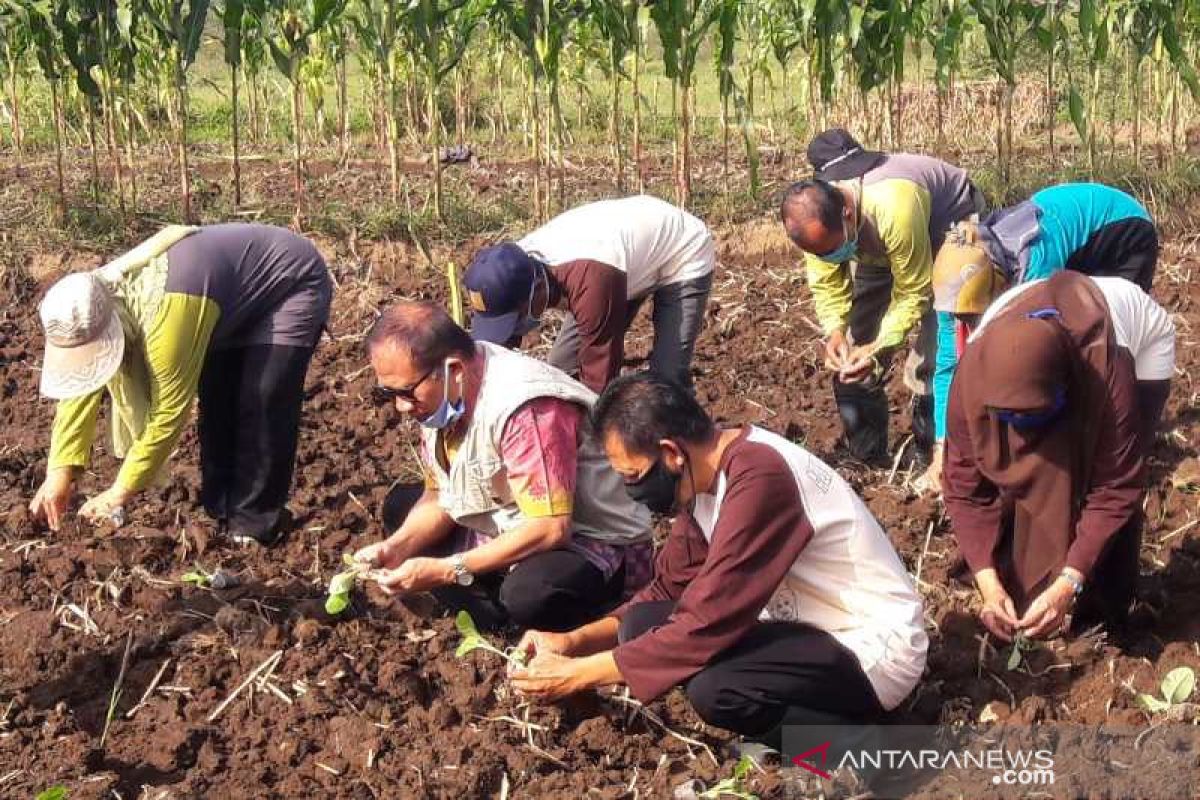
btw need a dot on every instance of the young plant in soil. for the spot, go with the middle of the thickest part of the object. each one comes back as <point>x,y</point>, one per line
<point>53,793</point>
<point>472,639</point>
<point>1177,686</point>
<point>1021,645</point>
<point>199,578</point>
<point>342,584</point>
<point>734,785</point>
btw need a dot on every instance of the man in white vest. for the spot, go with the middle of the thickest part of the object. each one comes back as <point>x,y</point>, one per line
<point>522,520</point>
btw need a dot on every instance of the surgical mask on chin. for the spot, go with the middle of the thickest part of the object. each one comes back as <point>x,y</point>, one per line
<point>447,413</point>
<point>847,251</point>
<point>656,490</point>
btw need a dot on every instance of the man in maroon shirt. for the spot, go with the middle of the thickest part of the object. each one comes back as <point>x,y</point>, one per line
<point>777,598</point>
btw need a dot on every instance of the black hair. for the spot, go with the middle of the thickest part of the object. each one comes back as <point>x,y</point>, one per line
<point>424,330</point>
<point>813,199</point>
<point>644,407</point>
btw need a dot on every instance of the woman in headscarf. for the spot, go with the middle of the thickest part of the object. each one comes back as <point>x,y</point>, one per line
<point>1082,227</point>
<point>231,313</point>
<point>1043,477</point>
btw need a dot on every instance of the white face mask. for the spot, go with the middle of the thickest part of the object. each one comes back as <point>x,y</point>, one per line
<point>447,413</point>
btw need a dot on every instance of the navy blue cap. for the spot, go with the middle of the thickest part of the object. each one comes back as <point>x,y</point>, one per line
<point>499,282</point>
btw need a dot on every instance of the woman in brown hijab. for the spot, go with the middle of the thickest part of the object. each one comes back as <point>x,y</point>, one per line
<point>1043,478</point>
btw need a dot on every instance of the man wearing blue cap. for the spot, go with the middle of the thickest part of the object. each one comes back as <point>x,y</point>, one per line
<point>599,262</point>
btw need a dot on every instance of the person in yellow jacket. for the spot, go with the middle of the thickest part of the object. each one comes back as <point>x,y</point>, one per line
<point>231,313</point>
<point>870,224</point>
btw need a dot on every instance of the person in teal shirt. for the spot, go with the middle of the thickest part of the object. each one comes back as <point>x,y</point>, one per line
<point>1083,227</point>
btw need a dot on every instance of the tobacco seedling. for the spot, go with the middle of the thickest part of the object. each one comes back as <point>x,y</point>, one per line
<point>1021,644</point>
<point>215,580</point>
<point>53,793</point>
<point>735,784</point>
<point>472,639</point>
<point>342,584</point>
<point>1177,686</point>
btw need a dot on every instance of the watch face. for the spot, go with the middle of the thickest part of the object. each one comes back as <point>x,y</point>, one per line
<point>464,578</point>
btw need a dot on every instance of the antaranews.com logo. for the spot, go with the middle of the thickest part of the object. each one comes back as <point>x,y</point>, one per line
<point>1051,759</point>
<point>1008,767</point>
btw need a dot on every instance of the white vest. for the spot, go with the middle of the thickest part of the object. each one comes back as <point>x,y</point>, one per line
<point>475,490</point>
<point>848,580</point>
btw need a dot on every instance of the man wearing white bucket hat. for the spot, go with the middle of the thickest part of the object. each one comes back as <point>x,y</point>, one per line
<point>231,313</point>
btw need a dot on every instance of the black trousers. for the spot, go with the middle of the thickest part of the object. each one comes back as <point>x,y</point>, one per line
<point>250,400</point>
<point>863,406</point>
<point>779,673</point>
<point>1125,249</point>
<point>556,590</point>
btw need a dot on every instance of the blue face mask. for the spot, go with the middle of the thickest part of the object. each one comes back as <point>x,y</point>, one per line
<point>1031,420</point>
<point>447,413</point>
<point>847,251</point>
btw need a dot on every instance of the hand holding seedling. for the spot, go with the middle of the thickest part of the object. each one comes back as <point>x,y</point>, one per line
<point>998,614</point>
<point>342,584</point>
<point>418,574</point>
<point>1048,613</point>
<point>380,555</point>
<point>837,351</point>
<point>859,365</point>
<point>534,643</point>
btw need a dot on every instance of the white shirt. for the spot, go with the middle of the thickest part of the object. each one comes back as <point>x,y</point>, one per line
<point>1140,325</point>
<point>653,242</point>
<point>848,580</point>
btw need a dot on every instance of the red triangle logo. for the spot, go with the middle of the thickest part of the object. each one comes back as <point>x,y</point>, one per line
<point>802,760</point>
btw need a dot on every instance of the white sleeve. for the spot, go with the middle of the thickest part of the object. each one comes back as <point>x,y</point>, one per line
<point>1141,325</point>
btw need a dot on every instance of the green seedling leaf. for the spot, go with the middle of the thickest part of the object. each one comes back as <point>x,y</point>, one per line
<point>466,625</point>
<point>467,645</point>
<point>337,603</point>
<point>343,582</point>
<point>1151,704</point>
<point>517,656</point>
<point>349,561</point>
<point>1014,658</point>
<point>53,793</point>
<point>196,578</point>
<point>1178,685</point>
<point>734,785</point>
<point>1020,644</point>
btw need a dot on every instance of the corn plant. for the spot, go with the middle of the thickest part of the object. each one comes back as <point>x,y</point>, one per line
<point>541,29</point>
<point>291,25</point>
<point>438,32</point>
<point>1007,23</point>
<point>682,27</point>
<point>944,32</point>
<point>178,25</point>
<point>14,39</point>
<point>617,22</point>
<point>377,23</point>
<point>233,25</point>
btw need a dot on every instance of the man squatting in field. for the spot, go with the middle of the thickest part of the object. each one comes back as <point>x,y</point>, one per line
<point>1083,227</point>
<point>599,262</point>
<point>777,599</point>
<point>870,224</point>
<point>521,519</point>
<point>1045,450</point>
<point>229,312</point>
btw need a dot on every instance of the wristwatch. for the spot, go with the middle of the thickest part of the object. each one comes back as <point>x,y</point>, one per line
<point>462,575</point>
<point>1076,584</point>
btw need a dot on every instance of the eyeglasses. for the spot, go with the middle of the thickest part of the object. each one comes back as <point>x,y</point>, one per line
<point>388,394</point>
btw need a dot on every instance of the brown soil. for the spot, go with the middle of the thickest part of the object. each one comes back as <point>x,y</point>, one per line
<point>375,703</point>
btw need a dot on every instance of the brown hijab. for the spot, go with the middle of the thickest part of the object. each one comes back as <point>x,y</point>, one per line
<point>1056,337</point>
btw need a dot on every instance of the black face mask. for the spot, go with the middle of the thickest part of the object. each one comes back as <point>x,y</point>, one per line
<point>656,490</point>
